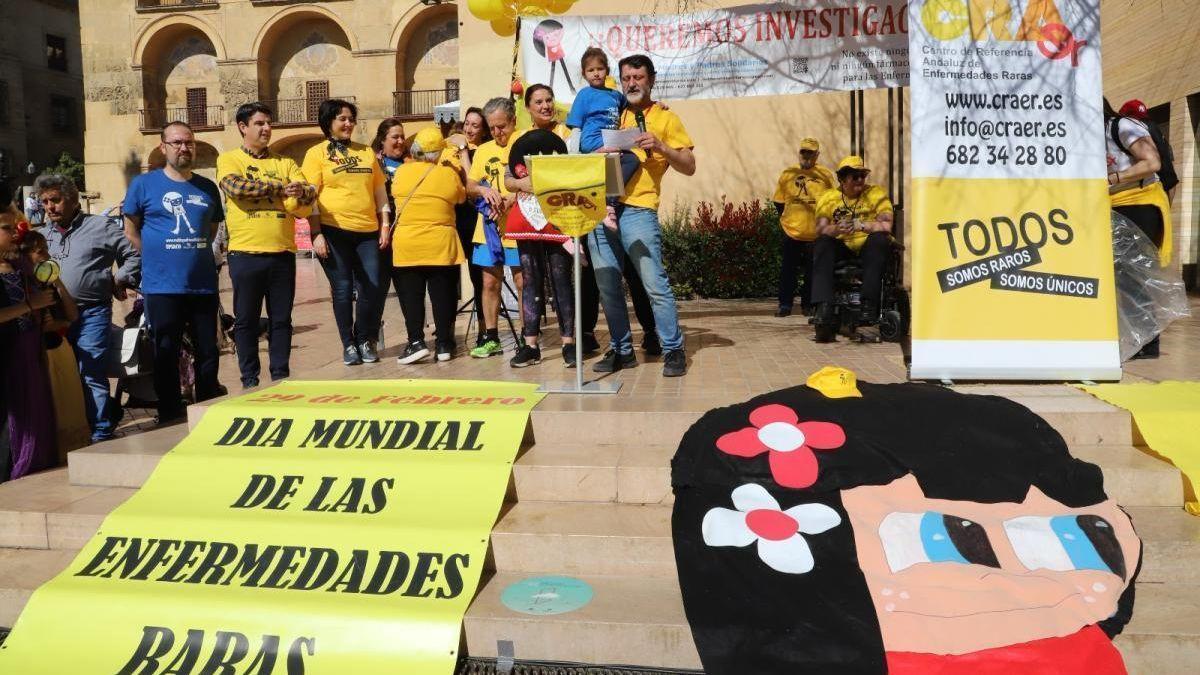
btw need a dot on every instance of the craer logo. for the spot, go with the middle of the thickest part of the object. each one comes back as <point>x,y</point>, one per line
<point>560,199</point>
<point>1041,23</point>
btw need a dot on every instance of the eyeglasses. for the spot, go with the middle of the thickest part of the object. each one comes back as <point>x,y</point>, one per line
<point>180,144</point>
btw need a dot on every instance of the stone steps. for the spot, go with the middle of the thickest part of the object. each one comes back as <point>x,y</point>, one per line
<point>640,621</point>
<point>636,473</point>
<point>596,506</point>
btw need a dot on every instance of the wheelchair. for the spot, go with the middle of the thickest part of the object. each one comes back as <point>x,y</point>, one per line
<point>895,310</point>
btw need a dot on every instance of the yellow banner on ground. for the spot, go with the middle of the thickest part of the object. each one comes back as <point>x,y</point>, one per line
<point>571,190</point>
<point>1167,415</point>
<point>323,528</point>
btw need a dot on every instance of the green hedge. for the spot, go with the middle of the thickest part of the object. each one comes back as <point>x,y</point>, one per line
<point>723,250</point>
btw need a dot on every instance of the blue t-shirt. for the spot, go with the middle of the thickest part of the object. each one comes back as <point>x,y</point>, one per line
<point>179,220</point>
<point>595,109</point>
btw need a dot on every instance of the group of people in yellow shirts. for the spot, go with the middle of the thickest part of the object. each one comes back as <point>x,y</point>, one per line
<point>827,216</point>
<point>409,212</point>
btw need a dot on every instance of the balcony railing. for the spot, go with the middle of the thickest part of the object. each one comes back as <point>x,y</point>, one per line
<point>200,118</point>
<point>175,4</point>
<point>297,111</point>
<point>418,104</point>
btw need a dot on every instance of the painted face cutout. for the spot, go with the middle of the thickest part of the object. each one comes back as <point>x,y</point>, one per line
<point>951,577</point>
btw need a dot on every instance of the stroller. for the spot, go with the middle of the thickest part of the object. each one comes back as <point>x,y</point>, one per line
<point>132,364</point>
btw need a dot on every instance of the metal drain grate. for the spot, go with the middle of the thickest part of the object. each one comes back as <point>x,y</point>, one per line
<point>486,666</point>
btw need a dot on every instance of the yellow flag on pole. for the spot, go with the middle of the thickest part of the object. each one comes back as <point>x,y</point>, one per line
<point>571,190</point>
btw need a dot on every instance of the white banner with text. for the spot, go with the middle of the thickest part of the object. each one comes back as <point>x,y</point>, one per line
<point>796,48</point>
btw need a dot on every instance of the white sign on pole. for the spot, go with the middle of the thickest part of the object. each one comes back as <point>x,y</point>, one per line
<point>753,50</point>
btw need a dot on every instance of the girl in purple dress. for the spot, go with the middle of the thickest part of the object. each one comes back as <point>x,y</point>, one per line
<point>26,383</point>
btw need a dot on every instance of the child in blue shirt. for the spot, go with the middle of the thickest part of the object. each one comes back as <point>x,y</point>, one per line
<point>597,107</point>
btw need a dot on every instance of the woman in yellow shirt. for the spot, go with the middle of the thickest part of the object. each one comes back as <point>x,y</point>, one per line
<point>351,224</point>
<point>485,180</point>
<point>427,252</point>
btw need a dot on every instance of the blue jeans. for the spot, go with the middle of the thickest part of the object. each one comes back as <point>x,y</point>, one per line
<point>89,336</point>
<point>639,237</point>
<point>354,266</point>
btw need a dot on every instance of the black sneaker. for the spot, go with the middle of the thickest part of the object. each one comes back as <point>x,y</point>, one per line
<point>526,356</point>
<point>568,352</point>
<point>590,345</point>
<point>413,352</point>
<point>351,357</point>
<point>368,353</point>
<point>650,345</point>
<point>675,363</point>
<point>783,311</point>
<point>250,383</point>
<point>445,351</point>
<point>612,362</point>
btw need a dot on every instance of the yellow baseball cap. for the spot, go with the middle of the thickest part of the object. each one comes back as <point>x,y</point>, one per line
<point>430,139</point>
<point>835,382</point>
<point>810,143</point>
<point>853,162</point>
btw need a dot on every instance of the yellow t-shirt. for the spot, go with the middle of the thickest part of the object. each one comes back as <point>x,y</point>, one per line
<point>263,225</point>
<point>425,231</point>
<point>645,188</point>
<point>345,186</point>
<point>798,190</point>
<point>870,204</point>
<point>489,164</point>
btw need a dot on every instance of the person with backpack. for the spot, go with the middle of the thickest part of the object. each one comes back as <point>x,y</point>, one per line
<point>1134,187</point>
<point>1166,173</point>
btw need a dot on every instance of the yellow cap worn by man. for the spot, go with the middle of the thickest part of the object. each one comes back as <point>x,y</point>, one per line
<point>854,220</point>
<point>796,194</point>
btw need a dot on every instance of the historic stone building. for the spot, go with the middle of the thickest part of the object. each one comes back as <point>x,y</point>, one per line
<point>146,62</point>
<point>149,62</point>
<point>41,85</point>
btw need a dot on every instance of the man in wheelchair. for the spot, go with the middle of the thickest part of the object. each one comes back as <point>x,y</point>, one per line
<point>853,221</point>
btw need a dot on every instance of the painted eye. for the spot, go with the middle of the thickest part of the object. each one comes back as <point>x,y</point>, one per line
<point>911,538</point>
<point>1063,543</point>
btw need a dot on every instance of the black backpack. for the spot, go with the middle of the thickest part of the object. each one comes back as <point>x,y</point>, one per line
<point>1166,172</point>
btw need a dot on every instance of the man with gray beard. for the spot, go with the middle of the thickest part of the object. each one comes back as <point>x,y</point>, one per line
<point>666,144</point>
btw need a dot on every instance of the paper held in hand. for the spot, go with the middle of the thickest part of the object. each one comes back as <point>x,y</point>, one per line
<point>620,139</point>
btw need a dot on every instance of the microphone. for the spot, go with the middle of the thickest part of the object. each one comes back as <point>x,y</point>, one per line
<point>640,117</point>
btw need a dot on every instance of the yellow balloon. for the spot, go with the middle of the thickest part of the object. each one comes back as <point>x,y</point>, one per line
<point>505,27</point>
<point>486,10</point>
<point>559,6</point>
<point>529,9</point>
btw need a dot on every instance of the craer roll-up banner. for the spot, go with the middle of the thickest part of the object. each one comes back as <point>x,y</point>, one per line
<point>1012,253</point>
<point>322,528</point>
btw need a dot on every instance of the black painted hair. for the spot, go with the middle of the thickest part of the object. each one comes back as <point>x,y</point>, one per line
<point>247,110</point>
<point>330,109</point>
<point>982,449</point>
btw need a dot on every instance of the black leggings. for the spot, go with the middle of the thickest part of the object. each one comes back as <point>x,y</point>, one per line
<point>1148,219</point>
<point>535,257</point>
<point>441,282</point>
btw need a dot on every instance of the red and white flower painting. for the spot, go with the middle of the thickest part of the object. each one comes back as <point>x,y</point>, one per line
<point>779,533</point>
<point>778,430</point>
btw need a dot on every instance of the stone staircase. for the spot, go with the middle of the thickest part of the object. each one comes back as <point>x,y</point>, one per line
<point>599,509</point>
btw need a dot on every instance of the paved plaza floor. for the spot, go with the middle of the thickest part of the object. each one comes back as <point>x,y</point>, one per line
<point>736,349</point>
